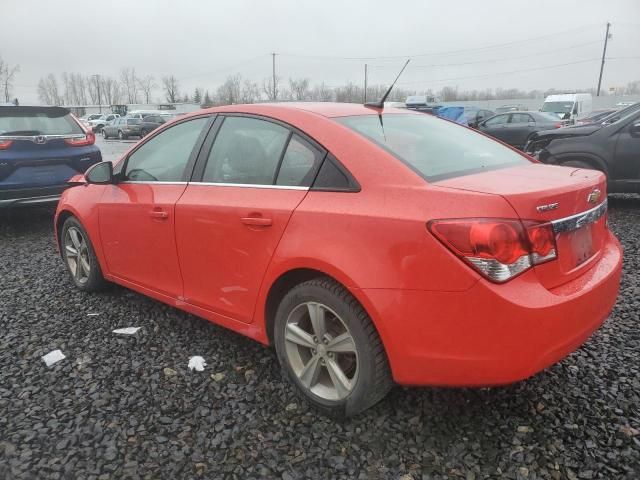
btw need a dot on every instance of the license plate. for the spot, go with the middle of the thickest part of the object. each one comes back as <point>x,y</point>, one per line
<point>581,242</point>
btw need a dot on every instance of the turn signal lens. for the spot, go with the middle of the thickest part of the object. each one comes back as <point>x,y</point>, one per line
<point>89,139</point>
<point>4,144</point>
<point>498,248</point>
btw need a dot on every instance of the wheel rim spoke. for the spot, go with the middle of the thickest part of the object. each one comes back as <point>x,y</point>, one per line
<point>318,321</point>
<point>310,372</point>
<point>85,265</point>
<point>298,336</point>
<point>340,381</point>
<point>342,344</point>
<point>75,238</point>
<point>71,251</point>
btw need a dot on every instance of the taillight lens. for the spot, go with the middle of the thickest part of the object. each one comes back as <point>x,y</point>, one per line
<point>499,249</point>
<point>89,139</point>
<point>4,144</point>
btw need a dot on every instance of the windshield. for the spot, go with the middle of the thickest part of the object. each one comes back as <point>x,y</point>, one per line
<point>557,107</point>
<point>436,149</point>
<point>37,121</point>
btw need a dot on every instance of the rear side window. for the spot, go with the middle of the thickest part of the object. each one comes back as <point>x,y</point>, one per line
<point>433,148</point>
<point>37,121</point>
<point>299,163</point>
<point>246,151</point>
<point>521,118</point>
<point>133,121</point>
<point>164,157</point>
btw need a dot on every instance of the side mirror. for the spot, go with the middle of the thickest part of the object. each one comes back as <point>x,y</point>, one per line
<point>100,174</point>
<point>635,129</point>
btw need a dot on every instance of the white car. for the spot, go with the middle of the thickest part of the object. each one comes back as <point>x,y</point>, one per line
<point>102,120</point>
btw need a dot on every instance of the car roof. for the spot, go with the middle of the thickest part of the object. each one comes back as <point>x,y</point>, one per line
<point>325,109</point>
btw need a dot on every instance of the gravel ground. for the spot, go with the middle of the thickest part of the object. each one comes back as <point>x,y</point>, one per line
<point>128,407</point>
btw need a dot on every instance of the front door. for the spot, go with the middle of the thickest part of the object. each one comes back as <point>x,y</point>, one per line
<point>229,224</point>
<point>627,151</point>
<point>496,126</point>
<point>137,215</point>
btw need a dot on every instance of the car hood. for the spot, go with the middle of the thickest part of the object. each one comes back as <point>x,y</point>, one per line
<point>566,132</point>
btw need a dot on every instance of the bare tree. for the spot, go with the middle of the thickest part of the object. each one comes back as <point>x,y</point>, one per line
<point>322,93</point>
<point>110,91</point>
<point>129,83</point>
<point>229,92</point>
<point>48,91</point>
<point>267,87</point>
<point>171,88</point>
<point>250,92</point>
<point>7,75</point>
<point>299,89</point>
<point>147,85</point>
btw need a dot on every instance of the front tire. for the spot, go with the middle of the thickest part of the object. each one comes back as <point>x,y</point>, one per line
<point>121,136</point>
<point>329,348</point>
<point>80,258</point>
<point>104,134</point>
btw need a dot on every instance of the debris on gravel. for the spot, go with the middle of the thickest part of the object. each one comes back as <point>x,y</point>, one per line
<point>125,406</point>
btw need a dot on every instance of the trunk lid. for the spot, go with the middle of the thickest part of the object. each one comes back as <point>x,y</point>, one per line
<point>560,195</point>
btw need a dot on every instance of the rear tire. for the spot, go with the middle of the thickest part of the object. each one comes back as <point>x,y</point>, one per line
<point>329,348</point>
<point>80,257</point>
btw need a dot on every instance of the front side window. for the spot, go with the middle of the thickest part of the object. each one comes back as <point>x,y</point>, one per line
<point>246,151</point>
<point>299,163</point>
<point>164,157</point>
<point>434,148</point>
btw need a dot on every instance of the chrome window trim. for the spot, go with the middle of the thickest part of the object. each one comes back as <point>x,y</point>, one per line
<point>249,185</point>
<point>579,220</point>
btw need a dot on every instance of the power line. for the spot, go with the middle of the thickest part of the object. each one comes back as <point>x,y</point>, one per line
<point>501,73</point>
<point>493,60</point>
<point>225,69</point>
<point>450,52</point>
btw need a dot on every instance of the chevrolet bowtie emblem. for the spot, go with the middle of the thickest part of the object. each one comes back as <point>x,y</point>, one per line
<point>594,196</point>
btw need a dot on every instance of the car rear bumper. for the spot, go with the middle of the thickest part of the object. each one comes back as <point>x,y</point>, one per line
<point>493,334</point>
<point>31,196</point>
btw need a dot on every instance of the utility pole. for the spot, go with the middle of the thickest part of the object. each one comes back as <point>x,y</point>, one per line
<point>604,52</point>
<point>275,93</point>
<point>97,77</point>
<point>365,83</point>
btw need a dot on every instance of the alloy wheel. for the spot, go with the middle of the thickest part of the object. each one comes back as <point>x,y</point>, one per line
<point>321,351</point>
<point>77,254</point>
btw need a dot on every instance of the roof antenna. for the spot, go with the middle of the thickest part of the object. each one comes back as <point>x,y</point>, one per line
<point>380,103</point>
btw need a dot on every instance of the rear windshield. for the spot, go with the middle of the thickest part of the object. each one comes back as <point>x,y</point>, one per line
<point>557,107</point>
<point>436,149</point>
<point>41,121</point>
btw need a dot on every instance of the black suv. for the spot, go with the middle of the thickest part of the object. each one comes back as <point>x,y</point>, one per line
<point>611,146</point>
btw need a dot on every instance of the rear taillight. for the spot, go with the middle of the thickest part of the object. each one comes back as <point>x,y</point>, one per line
<point>88,139</point>
<point>4,144</point>
<point>558,125</point>
<point>498,248</point>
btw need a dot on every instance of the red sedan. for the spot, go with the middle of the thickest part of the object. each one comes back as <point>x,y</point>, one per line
<point>369,246</point>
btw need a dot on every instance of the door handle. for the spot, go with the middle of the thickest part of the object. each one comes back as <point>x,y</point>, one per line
<point>159,214</point>
<point>257,221</point>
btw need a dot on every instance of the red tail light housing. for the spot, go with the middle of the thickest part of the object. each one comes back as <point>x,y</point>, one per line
<point>89,139</point>
<point>498,248</point>
<point>4,144</point>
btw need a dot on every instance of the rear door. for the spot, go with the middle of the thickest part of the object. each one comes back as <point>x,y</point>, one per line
<point>230,219</point>
<point>518,129</point>
<point>137,215</point>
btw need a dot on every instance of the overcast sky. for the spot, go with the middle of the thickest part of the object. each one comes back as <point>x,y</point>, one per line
<point>465,43</point>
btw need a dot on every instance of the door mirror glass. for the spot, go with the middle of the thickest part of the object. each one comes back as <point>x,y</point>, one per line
<point>635,129</point>
<point>101,173</point>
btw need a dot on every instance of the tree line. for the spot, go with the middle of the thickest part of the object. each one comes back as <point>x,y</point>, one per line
<point>7,75</point>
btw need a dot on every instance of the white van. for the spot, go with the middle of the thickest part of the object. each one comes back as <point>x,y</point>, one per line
<point>569,106</point>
